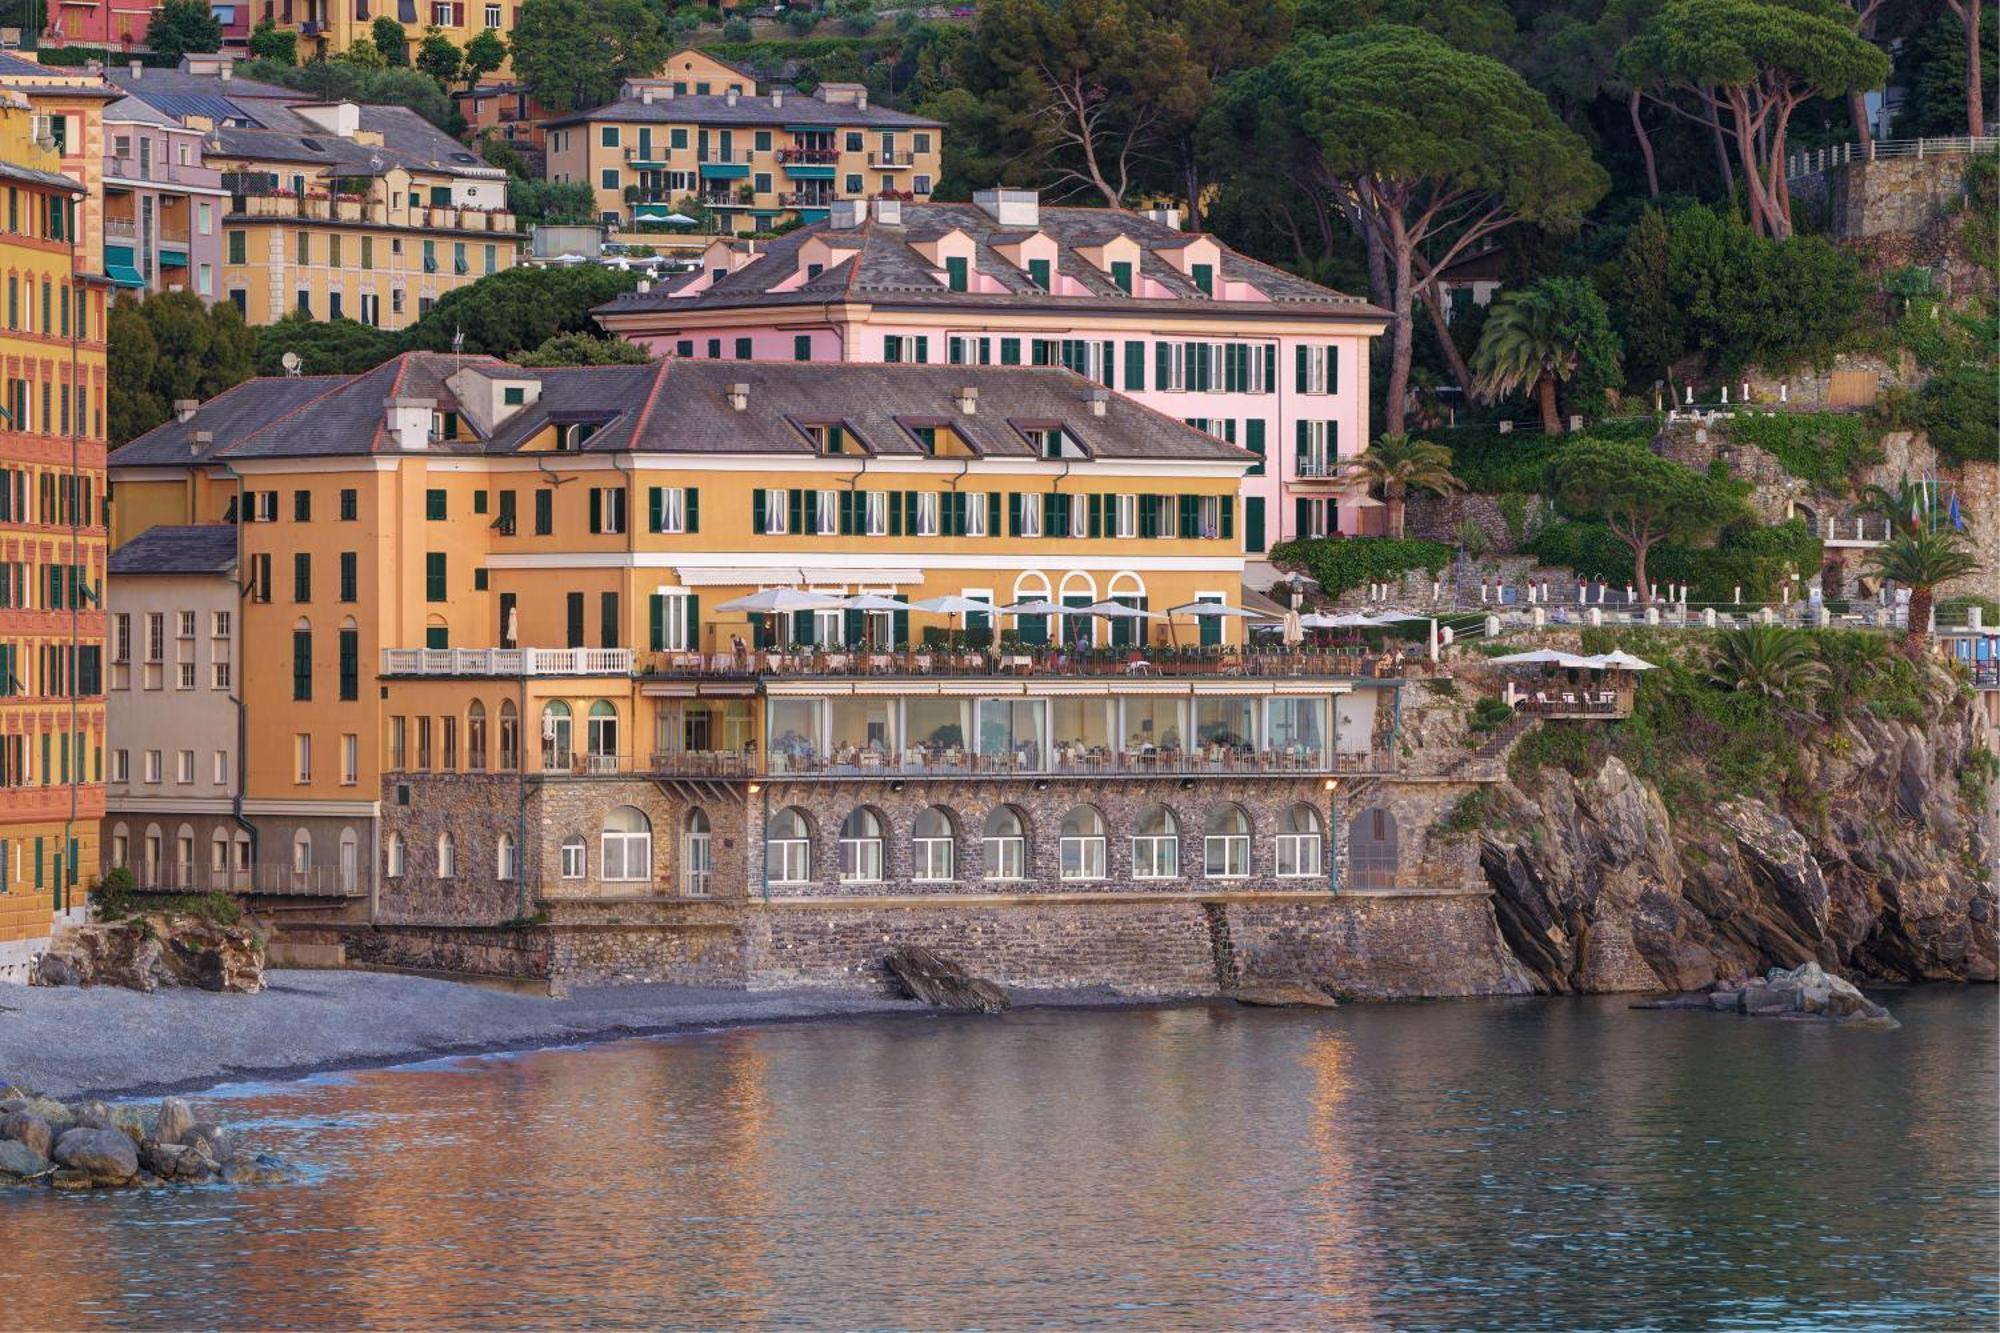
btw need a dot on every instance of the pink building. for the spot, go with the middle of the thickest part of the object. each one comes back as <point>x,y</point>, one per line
<point>120,25</point>
<point>1178,321</point>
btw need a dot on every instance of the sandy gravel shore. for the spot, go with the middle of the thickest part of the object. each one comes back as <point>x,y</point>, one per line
<point>107,1042</point>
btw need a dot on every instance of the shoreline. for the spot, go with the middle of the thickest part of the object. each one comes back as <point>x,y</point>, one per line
<point>120,1045</point>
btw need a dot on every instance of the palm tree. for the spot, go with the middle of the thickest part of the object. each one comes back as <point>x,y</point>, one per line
<point>1399,465</point>
<point>1542,337</point>
<point>1772,661</point>
<point>1921,560</point>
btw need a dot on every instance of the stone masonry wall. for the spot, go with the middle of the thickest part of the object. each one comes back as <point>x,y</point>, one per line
<point>475,809</point>
<point>1378,948</point>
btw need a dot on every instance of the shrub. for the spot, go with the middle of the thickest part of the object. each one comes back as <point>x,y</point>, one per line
<point>1824,448</point>
<point>1957,408</point>
<point>1489,714</point>
<point>1338,564</point>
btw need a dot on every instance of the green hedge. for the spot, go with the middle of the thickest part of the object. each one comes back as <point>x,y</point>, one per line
<point>1490,463</point>
<point>1340,563</point>
<point>1824,448</point>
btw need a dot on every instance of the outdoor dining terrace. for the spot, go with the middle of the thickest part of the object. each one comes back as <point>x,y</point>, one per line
<point>1027,661</point>
<point>955,761</point>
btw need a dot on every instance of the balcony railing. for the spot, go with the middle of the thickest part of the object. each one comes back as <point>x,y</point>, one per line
<point>123,229</point>
<point>892,160</point>
<point>1078,762</point>
<point>1856,530</point>
<point>583,763</point>
<point>1110,663</point>
<point>506,661</point>
<point>316,881</point>
<point>1317,469</point>
<point>1575,703</point>
<point>808,199</point>
<point>819,157</point>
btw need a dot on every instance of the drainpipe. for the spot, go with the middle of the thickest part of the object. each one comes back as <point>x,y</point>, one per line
<point>69,856</point>
<point>521,791</point>
<point>236,695</point>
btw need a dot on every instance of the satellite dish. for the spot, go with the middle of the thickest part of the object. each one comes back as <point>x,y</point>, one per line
<point>290,361</point>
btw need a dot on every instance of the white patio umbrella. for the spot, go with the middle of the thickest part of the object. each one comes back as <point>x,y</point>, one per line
<point>1620,660</point>
<point>1039,607</point>
<point>1113,611</point>
<point>952,606</point>
<point>1295,628</point>
<point>678,219</point>
<point>1216,611</point>
<point>1545,657</point>
<point>778,601</point>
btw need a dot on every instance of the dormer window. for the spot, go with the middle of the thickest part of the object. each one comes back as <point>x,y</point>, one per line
<point>1204,277</point>
<point>955,272</point>
<point>444,425</point>
<point>1121,273</point>
<point>1040,273</point>
<point>513,395</point>
<point>571,437</point>
<point>814,270</point>
<point>830,439</point>
<point>927,437</point>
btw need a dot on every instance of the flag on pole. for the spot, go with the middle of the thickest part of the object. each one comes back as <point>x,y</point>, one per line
<point>1957,519</point>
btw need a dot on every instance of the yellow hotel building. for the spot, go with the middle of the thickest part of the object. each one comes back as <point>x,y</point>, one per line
<point>337,209</point>
<point>330,27</point>
<point>52,386</point>
<point>702,130</point>
<point>505,676</point>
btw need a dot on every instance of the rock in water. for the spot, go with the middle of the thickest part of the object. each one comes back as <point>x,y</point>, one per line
<point>1283,994</point>
<point>176,1119</point>
<point>939,981</point>
<point>18,1160</point>
<point>28,1128</point>
<point>105,1155</point>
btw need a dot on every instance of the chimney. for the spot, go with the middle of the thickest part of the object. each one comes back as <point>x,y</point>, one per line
<point>184,408</point>
<point>739,397</point>
<point>729,98</point>
<point>1011,208</point>
<point>968,401</point>
<point>1166,217</point>
<point>861,99</point>
<point>200,440</point>
<point>226,70</point>
<point>646,96</point>
<point>644,286</point>
<point>408,420</point>
<point>847,213</point>
<point>1098,400</point>
<point>889,212</point>
<point>777,97</point>
<point>137,68</point>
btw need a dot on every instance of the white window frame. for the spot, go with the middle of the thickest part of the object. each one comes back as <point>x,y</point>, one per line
<point>927,514</point>
<point>1085,853</point>
<point>861,859</point>
<point>398,853</point>
<point>1125,514</point>
<point>826,513</point>
<point>574,854</point>
<point>777,501</point>
<point>1031,514</point>
<point>221,769</point>
<point>1235,848</point>
<point>875,514</point>
<point>975,514</point>
<point>350,759</point>
<point>153,766</point>
<point>1304,852</point>
<point>673,509</point>
<point>634,851</point>
<point>1156,855</point>
<point>121,639</point>
<point>121,767</point>
<point>184,767</point>
<point>1316,367</point>
<point>219,675</point>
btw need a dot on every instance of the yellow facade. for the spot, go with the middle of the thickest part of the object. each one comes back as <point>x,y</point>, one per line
<point>329,28</point>
<point>702,130</point>
<point>52,546</point>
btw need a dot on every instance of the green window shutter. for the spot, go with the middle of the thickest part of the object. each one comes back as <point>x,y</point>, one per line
<point>1054,513</point>
<point>1332,368</point>
<point>1301,517</point>
<point>802,627</point>
<point>1013,513</point>
<point>694,620</point>
<point>1332,441</point>
<point>1147,517</point>
<point>923,349</point>
<point>846,506</point>
<point>798,511</point>
<point>1299,359</point>
<point>654,503</point>
<point>902,632</point>
<point>1271,371</point>
<point>757,511</point>
<point>1121,273</point>
<point>302,679</point>
<point>1253,440</point>
<point>1229,518</point>
<point>852,628</point>
<point>910,512</point>
<point>1096,515</point>
<point>802,347</point>
<point>574,617</point>
<point>1163,363</point>
<point>993,513</point>
<point>1010,351</point>
<point>350,664</point>
<point>691,508</point>
<point>1135,366</point>
<point>1253,523</point>
<point>1190,515</point>
<point>895,513</point>
<point>1304,434</point>
<point>1038,273</point>
<point>955,275</point>
<point>607,621</point>
<point>434,576</point>
<point>596,510</point>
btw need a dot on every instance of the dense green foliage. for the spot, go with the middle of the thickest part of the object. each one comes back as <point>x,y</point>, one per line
<point>342,78</point>
<point>1338,564</point>
<point>541,201</point>
<point>1643,499</point>
<point>1825,448</point>
<point>574,53</point>
<point>324,346</point>
<point>168,347</point>
<point>180,27</point>
<point>1959,408</point>
<point>270,42</point>
<point>1550,338</point>
<point>1745,555</point>
<point>519,308</point>
<point>583,349</point>
<point>1490,463</point>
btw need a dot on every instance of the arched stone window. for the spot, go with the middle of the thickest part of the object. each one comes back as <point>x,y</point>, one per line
<point>475,737</point>
<point>697,856</point>
<point>861,847</point>
<point>1156,844</point>
<point>574,857</point>
<point>601,736</point>
<point>1225,844</point>
<point>504,867</point>
<point>121,846</point>
<point>1005,842</point>
<point>184,857</point>
<point>1082,843</point>
<point>934,845</point>
<point>302,853</point>
<point>447,858</point>
<point>218,859</point>
<point>1299,845</point>
<point>399,856</point>
<point>625,851</point>
<point>350,861</point>
<point>1371,849</point>
<point>788,847</point>
<point>510,737</point>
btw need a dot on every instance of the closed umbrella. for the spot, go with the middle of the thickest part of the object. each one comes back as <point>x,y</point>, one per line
<point>1295,629</point>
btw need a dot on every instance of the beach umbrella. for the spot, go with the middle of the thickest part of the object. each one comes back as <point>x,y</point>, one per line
<point>1543,657</point>
<point>1620,660</point>
<point>1038,607</point>
<point>779,601</point>
<point>952,605</point>
<point>678,219</point>
<point>1216,611</point>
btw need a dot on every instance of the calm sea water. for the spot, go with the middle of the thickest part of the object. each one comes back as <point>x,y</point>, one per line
<point>1522,1164</point>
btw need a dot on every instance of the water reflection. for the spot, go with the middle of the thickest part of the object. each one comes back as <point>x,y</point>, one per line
<point>1526,1164</point>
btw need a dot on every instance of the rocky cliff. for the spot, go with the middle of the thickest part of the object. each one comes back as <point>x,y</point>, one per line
<point>1882,870</point>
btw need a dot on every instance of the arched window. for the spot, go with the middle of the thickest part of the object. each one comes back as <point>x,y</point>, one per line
<point>1078,589</point>
<point>510,736</point>
<point>154,854</point>
<point>573,856</point>
<point>447,864</point>
<point>1225,849</point>
<point>350,861</point>
<point>399,856</point>
<point>1156,844</point>
<point>475,737</point>
<point>184,857</point>
<point>1005,841</point>
<point>625,852</point>
<point>861,847</point>
<point>934,845</point>
<point>1032,586</point>
<point>601,736</point>
<point>302,853</point>
<point>697,860</point>
<point>504,867</point>
<point>121,845</point>
<point>556,725</point>
<point>437,632</point>
<point>788,847</point>
<point>1371,849</point>
<point>1299,843</point>
<point>218,859</point>
<point>1082,845</point>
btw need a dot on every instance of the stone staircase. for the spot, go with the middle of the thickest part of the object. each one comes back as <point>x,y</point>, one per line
<point>1488,762</point>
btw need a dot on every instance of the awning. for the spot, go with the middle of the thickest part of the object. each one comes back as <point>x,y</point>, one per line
<point>805,173</point>
<point>812,215</point>
<point>124,275</point>
<point>173,258</point>
<point>810,129</point>
<point>733,577</point>
<point>724,171</point>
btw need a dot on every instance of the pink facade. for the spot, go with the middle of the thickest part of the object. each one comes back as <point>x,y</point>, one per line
<point>120,25</point>
<point>1251,354</point>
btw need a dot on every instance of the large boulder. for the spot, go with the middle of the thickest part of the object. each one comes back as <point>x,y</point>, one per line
<point>212,1141</point>
<point>925,976</point>
<point>1284,995</point>
<point>29,1128</point>
<point>106,1155</point>
<point>18,1161</point>
<point>146,952</point>
<point>176,1118</point>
